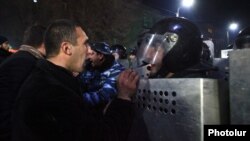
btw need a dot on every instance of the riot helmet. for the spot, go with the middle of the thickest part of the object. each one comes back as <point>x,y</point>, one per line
<point>172,45</point>
<point>243,39</point>
<point>120,50</point>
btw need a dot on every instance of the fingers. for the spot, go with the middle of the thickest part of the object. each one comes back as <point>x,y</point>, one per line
<point>133,78</point>
<point>136,80</point>
<point>127,73</point>
<point>130,76</point>
<point>127,84</point>
<point>121,76</point>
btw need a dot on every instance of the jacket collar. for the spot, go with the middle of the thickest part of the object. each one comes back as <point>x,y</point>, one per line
<point>32,51</point>
<point>61,74</point>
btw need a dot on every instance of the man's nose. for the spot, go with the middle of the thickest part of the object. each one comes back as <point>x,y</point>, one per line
<point>149,57</point>
<point>88,55</point>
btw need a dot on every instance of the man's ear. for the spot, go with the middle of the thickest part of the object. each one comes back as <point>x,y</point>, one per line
<point>66,48</point>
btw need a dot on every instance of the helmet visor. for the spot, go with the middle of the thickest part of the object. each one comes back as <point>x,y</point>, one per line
<point>154,47</point>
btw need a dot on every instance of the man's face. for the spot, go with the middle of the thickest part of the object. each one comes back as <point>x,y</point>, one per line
<point>132,56</point>
<point>155,55</point>
<point>79,51</point>
<point>95,58</point>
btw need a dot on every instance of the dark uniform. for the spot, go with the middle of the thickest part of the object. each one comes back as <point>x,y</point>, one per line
<point>101,86</point>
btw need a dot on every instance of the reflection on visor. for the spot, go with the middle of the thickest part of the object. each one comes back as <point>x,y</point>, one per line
<point>154,47</point>
<point>152,40</point>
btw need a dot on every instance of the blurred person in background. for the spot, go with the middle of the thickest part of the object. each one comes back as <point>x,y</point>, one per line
<point>120,53</point>
<point>4,48</point>
<point>13,72</point>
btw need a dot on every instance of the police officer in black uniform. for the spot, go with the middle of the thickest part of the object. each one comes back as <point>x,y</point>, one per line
<point>173,48</point>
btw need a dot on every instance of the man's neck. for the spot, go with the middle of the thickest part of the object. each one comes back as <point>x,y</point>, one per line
<point>41,50</point>
<point>57,61</point>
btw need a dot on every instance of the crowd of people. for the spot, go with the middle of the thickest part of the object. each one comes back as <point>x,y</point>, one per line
<point>42,99</point>
<point>61,86</point>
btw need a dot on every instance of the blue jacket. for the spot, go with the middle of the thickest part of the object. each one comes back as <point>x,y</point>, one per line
<point>101,86</point>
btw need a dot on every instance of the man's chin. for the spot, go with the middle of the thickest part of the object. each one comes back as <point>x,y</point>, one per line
<point>152,74</point>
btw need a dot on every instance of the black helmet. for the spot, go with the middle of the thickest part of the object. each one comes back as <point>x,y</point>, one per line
<point>176,40</point>
<point>101,47</point>
<point>120,49</point>
<point>243,39</point>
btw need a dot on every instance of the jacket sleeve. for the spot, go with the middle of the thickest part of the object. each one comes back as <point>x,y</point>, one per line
<point>106,91</point>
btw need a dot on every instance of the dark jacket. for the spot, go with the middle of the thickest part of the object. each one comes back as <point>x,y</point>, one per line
<point>4,54</point>
<point>50,108</point>
<point>13,72</point>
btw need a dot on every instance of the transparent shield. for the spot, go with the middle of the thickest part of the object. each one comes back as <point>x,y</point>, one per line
<point>154,47</point>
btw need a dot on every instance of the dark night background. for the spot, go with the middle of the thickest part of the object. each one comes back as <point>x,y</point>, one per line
<point>121,21</point>
<point>218,12</point>
<point>210,14</point>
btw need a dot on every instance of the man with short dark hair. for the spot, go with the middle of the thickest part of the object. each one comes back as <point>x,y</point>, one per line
<point>14,70</point>
<point>50,105</point>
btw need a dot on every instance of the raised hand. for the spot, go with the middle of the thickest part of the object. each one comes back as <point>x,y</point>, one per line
<point>127,84</point>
